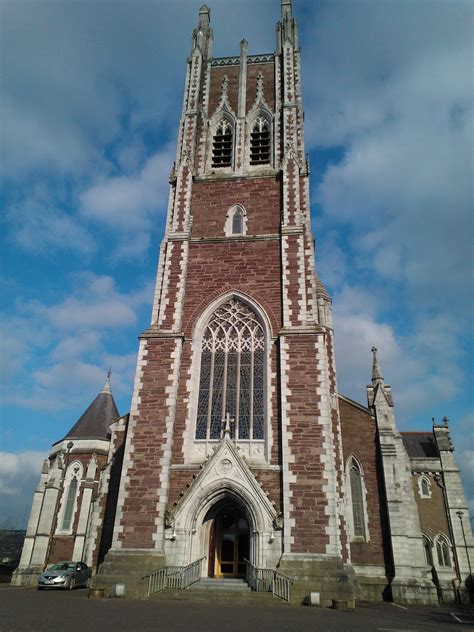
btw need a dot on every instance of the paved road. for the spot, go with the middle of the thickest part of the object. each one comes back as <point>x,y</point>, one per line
<point>27,610</point>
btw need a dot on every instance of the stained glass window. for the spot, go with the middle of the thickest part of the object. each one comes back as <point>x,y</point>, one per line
<point>70,500</point>
<point>232,374</point>
<point>357,500</point>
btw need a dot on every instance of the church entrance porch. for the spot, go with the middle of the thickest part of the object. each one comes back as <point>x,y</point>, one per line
<point>229,542</point>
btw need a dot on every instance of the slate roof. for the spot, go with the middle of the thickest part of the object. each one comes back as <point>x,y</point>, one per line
<point>95,421</point>
<point>420,444</point>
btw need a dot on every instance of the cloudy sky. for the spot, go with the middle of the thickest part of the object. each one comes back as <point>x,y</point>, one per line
<point>91,98</point>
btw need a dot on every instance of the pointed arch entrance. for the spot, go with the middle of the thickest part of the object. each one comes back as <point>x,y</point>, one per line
<point>229,539</point>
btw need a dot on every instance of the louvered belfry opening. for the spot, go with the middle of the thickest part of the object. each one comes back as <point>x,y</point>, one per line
<point>222,145</point>
<point>260,143</point>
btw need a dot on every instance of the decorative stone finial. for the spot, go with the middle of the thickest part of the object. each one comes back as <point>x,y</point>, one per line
<point>285,8</point>
<point>377,376</point>
<point>204,16</point>
<point>259,87</point>
<point>227,423</point>
<point>244,45</point>
<point>445,420</point>
<point>106,389</point>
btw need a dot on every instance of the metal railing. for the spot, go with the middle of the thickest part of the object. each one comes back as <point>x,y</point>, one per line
<point>268,580</point>
<point>281,585</point>
<point>178,577</point>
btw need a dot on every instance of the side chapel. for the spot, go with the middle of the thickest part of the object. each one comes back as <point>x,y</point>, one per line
<point>238,445</point>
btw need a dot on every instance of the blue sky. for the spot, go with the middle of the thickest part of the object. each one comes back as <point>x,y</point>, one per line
<point>91,99</point>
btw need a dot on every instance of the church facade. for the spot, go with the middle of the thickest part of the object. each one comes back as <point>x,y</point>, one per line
<point>238,445</point>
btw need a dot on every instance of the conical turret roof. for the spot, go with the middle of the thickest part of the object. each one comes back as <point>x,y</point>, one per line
<point>94,423</point>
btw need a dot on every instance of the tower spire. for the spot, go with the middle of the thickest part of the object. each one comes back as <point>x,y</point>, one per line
<point>377,377</point>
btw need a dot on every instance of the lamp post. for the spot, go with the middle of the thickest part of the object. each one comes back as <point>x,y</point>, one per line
<point>460,515</point>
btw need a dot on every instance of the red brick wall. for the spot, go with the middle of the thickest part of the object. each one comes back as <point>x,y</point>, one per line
<point>139,510</point>
<point>306,444</point>
<point>268,72</point>
<point>359,437</point>
<point>108,502</point>
<point>270,482</point>
<point>212,199</point>
<point>432,510</point>
<point>217,77</point>
<point>61,549</point>
<point>179,482</point>
<point>252,267</point>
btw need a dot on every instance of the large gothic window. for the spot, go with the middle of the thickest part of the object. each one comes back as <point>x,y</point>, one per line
<point>357,498</point>
<point>222,145</point>
<point>70,502</point>
<point>232,374</point>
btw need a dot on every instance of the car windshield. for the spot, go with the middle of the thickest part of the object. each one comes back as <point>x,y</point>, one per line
<point>62,566</point>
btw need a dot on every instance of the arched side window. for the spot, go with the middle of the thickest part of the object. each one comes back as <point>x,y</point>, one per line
<point>236,221</point>
<point>69,507</point>
<point>428,549</point>
<point>356,493</point>
<point>69,501</point>
<point>260,142</point>
<point>222,144</point>
<point>424,487</point>
<point>443,553</point>
<point>232,374</point>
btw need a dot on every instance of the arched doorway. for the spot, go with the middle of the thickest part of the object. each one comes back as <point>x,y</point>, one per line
<point>229,542</point>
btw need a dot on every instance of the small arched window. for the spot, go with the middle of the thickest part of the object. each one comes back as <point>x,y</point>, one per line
<point>232,374</point>
<point>260,142</point>
<point>222,145</point>
<point>357,498</point>
<point>442,552</point>
<point>424,487</point>
<point>238,221</point>
<point>428,549</point>
<point>70,502</point>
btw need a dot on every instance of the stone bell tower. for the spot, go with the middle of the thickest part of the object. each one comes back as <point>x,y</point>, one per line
<point>241,330</point>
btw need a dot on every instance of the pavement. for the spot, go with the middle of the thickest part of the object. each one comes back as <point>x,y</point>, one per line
<point>29,610</point>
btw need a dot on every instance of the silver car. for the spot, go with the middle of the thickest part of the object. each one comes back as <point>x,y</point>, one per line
<point>65,575</point>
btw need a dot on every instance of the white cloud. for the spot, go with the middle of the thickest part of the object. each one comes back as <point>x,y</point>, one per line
<point>19,476</point>
<point>39,223</point>
<point>75,347</point>
<point>126,202</point>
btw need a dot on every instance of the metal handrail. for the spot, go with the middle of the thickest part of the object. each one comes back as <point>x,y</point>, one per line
<point>268,580</point>
<point>179,577</point>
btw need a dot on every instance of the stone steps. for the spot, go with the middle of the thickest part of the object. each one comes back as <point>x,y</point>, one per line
<point>222,591</point>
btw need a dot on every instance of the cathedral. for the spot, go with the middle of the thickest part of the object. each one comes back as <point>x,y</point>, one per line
<point>239,457</point>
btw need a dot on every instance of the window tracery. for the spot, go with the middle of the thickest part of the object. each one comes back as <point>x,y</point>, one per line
<point>443,551</point>
<point>428,549</point>
<point>232,374</point>
<point>260,142</point>
<point>222,143</point>
<point>424,487</point>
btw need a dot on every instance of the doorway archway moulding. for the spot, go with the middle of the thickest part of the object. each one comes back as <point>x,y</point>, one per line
<point>225,475</point>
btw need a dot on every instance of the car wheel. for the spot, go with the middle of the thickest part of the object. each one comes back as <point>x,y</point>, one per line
<point>72,583</point>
